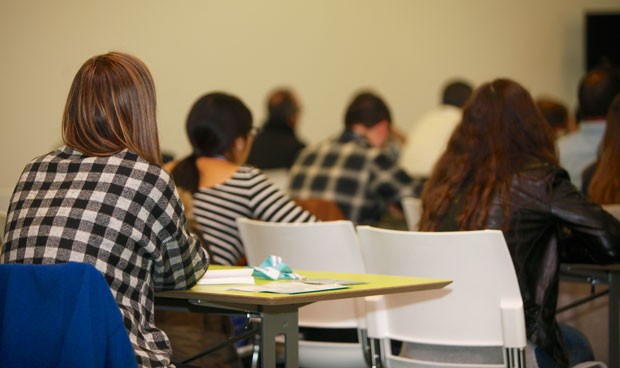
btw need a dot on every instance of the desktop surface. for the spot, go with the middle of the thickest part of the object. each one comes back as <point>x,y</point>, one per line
<point>372,285</point>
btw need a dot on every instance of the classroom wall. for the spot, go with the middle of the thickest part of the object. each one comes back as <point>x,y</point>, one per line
<point>325,49</point>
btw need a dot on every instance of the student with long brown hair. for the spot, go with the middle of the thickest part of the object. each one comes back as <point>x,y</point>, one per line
<point>500,171</point>
<point>604,185</point>
<point>104,199</point>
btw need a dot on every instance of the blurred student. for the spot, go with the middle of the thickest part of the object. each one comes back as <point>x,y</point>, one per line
<point>428,136</point>
<point>104,199</point>
<point>555,114</point>
<point>500,171</point>
<point>579,148</point>
<point>277,145</point>
<point>601,179</point>
<point>222,187</point>
<point>355,170</point>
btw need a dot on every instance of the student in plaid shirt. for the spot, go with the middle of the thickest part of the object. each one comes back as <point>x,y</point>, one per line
<point>104,199</point>
<point>355,170</point>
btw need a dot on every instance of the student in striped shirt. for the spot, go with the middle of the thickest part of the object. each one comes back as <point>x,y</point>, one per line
<point>219,127</point>
<point>217,188</point>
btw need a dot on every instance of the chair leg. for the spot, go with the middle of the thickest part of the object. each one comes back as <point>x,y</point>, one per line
<point>376,353</point>
<point>362,337</point>
<point>256,349</point>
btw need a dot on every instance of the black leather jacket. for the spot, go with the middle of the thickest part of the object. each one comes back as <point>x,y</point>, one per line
<point>549,221</point>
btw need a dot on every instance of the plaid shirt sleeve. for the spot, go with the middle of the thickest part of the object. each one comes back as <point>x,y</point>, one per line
<point>390,181</point>
<point>181,260</point>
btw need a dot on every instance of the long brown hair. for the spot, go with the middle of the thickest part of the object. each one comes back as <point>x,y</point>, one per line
<point>605,184</point>
<point>500,132</point>
<point>111,106</point>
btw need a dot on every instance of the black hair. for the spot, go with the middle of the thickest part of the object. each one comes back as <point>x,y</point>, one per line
<point>596,91</point>
<point>456,93</point>
<point>368,109</point>
<point>214,122</point>
<point>281,106</point>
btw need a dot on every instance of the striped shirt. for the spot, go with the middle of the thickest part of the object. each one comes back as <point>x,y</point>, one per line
<point>248,194</point>
<point>119,213</point>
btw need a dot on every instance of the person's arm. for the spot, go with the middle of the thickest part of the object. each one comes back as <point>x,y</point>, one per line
<point>391,182</point>
<point>593,234</point>
<point>180,260</point>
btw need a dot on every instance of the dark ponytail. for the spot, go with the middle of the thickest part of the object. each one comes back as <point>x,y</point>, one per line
<point>186,175</point>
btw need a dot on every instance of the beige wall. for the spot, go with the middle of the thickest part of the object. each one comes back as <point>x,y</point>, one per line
<point>326,49</point>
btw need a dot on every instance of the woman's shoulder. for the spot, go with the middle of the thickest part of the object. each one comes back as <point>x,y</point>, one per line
<point>130,165</point>
<point>122,163</point>
<point>542,177</point>
<point>252,178</point>
<point>540,169</point>
<point>243,176</point>
<point>248,172</point>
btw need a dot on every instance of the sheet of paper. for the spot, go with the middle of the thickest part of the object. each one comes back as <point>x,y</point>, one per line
<point>290,287</point>
<point>333,281</point>
<point>232,276</point>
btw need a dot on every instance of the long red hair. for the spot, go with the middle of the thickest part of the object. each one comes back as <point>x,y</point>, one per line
<point>500,132</point>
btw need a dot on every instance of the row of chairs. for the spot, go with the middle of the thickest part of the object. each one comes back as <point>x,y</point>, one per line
<point>478,319</point>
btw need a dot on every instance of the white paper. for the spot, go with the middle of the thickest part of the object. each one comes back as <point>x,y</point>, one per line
<point>232,276</point>
<point>288,287</point>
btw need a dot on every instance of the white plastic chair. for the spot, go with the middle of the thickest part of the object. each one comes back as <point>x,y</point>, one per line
<point>479,314</point>
<point>412,207</point>
<point>320,246</point>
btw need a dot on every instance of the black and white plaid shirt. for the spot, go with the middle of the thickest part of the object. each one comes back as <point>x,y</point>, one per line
<point>118,213</point>
<point>360,178</point>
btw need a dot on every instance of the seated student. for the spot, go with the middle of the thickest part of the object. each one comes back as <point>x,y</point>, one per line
<point>500,171</point>
<point>356,170</point>
<point>601,180</point>
<point>556,115</point>
<point>218,188</point>
<point>429,135</point>
<point>276,146</point>
<point>104,199</point>
<point>579,148</point>
<point>219,127</point>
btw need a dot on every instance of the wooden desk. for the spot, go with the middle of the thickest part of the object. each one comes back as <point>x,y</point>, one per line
<point>609,274</point>
<point>279,312</point>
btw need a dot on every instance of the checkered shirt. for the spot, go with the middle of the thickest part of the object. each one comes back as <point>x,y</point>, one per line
<point>118,213</point>
<point>360,178</point>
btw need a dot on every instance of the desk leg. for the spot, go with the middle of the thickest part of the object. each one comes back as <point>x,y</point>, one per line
<point>614,320</point>
<point>272,325</point>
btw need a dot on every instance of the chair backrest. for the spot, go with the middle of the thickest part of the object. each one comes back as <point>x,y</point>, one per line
<point>413,210</point>
<point>614,209</point>
<point>60,315</point>
<point>482,306</point>
<point>318,246</point>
